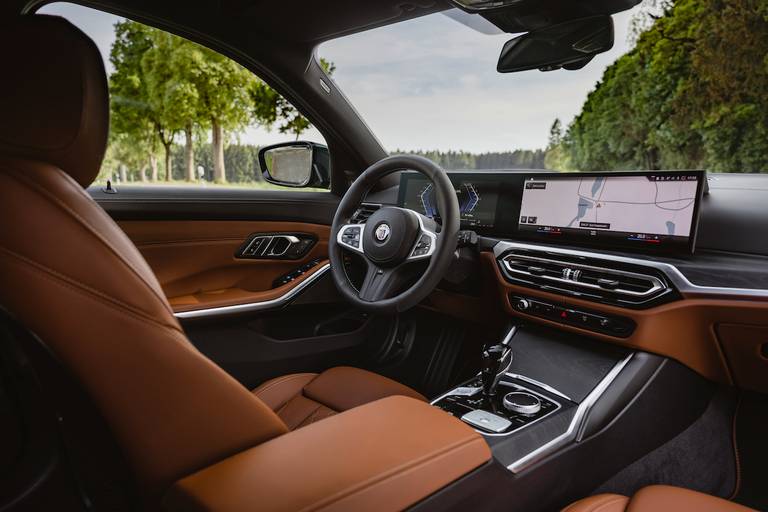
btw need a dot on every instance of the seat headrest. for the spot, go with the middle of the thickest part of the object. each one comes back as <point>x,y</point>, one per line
<point>54,103</point>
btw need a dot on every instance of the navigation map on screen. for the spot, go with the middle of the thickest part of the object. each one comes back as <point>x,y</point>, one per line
<point>653,208</point>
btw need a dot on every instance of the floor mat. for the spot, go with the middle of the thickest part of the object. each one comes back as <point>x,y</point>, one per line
<point>752,443</point>
<point>700,458</point>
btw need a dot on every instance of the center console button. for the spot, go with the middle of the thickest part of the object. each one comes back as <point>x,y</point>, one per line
<point>486,420</point>
<point>522,403</point>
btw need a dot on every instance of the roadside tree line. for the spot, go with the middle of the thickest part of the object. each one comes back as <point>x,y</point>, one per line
<point>167,91</point>
<point>693,93</point>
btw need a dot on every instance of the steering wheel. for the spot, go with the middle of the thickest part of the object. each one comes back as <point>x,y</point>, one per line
<point>393,239</point>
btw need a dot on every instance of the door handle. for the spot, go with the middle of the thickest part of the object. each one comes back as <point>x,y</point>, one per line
<point>289,246</point>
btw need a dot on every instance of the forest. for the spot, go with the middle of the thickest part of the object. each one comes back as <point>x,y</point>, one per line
<point>692,94</point>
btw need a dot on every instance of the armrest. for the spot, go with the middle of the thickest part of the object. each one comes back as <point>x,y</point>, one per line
<point>385,455</point>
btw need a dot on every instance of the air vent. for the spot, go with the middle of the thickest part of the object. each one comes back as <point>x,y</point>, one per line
<point>364,212</point>
<point>589,278</point>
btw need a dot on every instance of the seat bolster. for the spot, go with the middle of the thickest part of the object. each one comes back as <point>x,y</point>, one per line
<point>600,503</point>
<point>278,391</point>
<point>343,388</point>
<point>665,498</point>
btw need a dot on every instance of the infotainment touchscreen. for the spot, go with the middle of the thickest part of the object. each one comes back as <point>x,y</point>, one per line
<point>478,196</point>
<point>641,209</point>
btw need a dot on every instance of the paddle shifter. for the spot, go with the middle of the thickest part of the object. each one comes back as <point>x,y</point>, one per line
<point>496,362</point>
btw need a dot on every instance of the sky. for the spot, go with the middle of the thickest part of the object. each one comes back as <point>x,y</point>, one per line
<point>430,83</point>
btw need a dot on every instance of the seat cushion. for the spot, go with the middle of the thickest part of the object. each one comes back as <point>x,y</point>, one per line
<point>656,498</point>
<point>304,398</point>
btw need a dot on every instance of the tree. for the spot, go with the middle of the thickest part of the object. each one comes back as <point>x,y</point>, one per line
<point>223,87</point>
<point>693,93</point>
<point>270,107</point>
<point>131,119</point>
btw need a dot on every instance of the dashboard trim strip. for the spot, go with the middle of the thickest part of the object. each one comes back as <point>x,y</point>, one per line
<point>672,272</point>
<point>576,424</point>
<point>257,306</point>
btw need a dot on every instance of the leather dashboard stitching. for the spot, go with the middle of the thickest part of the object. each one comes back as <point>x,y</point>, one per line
<point>36,188</point>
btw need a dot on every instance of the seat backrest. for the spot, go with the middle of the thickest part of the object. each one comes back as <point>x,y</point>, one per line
<point>72,277</point>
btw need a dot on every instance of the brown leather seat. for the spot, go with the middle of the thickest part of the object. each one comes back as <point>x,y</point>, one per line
<point>304,398</point>
<point>656,498</point>
<point>71,276</point>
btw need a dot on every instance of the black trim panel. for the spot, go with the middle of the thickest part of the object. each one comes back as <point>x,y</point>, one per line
<point>191,203</point>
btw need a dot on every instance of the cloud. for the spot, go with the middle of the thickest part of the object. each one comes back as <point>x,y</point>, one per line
<point>429,83</point>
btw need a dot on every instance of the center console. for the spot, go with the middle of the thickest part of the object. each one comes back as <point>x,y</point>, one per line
<point>492,402</point>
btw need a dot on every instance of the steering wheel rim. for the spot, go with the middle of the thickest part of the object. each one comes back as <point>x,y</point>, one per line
<point>383,275</point>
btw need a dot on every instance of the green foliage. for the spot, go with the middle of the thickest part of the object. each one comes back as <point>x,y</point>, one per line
<point>693,93</point>
<point>163,85</point>
<point>269,107</point>
<point>459,160</point>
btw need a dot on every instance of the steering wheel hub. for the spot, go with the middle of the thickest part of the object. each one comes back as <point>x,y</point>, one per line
<point>389,235</point>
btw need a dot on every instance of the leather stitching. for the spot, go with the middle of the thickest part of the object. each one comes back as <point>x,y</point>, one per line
<point>597,506</point>
<point>271,384</point>
<point>63,280</point>
<point>41,191</point>
<point>463,443</point>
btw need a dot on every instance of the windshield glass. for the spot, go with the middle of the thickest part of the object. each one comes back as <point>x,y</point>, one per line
<point>678,90</point>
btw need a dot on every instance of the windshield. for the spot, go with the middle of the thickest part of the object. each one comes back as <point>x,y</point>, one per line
<point>678,90</point>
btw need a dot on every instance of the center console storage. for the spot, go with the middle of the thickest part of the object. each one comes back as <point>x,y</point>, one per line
<point>393,453</point>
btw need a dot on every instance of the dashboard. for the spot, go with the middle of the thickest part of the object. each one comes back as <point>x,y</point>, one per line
<point>639,211</point>
<point>667,262</point>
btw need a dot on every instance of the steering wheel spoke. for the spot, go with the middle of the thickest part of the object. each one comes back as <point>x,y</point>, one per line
<point>350,237</point>
<point>426,241</point>
<point>382,282</point>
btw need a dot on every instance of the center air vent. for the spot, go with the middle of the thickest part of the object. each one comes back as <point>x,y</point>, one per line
<point>589,278</point>
<point>364,212</point>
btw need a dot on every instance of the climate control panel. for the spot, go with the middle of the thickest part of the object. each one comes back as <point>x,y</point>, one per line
<point>611,325</point>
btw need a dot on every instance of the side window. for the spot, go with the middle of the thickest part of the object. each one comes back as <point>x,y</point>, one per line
<point>182,114</point>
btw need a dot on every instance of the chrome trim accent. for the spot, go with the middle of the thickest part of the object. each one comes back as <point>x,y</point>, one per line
<point>517,387</point>
<point>575,428</point>
<point>341,242</point>
<point>519,408</point>
<point>538,384</point>
<point>257,306</point>
<point>676,277</point>
<point>656,284</point>
<point>422,231</point>
<point>510,334</point>
<point>270,246</point>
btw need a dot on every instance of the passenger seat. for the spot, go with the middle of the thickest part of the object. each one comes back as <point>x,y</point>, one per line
<point>656,498</point>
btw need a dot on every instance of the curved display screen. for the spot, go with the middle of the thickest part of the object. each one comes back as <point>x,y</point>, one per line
<point>646,211</point>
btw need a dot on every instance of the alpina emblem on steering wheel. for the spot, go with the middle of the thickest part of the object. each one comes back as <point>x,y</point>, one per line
<point>382,232</point>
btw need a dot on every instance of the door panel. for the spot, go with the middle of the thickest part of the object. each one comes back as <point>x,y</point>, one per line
<point>196,263</point>
<point>192,238</point>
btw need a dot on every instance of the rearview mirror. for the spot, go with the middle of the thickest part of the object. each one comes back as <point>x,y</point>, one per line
<point>296,164</point>
<point>569,45</point>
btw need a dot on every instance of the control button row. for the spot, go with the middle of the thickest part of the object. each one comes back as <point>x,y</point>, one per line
<point>593,321</point>
<point>422,246</point>
<point>351,236</point>
<point>295,273</point>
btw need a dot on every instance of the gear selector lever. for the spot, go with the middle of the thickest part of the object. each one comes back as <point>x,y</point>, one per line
<point>497,360</point>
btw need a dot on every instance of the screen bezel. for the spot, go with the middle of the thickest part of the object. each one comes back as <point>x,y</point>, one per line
<point>511,183</point>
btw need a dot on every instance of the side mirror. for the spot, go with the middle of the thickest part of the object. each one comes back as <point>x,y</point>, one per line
<point>296,164</point>
<point>569,45</point>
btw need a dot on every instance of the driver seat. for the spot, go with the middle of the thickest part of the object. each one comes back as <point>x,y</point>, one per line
<point>72,277</point>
